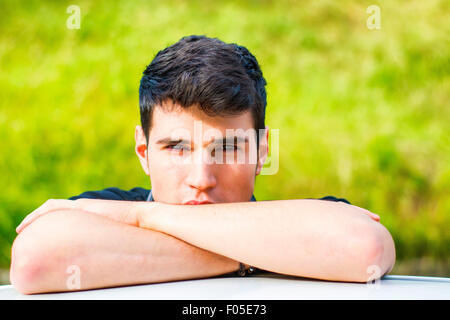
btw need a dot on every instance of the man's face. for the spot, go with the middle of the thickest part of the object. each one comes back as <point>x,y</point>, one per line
<point>195,157</point>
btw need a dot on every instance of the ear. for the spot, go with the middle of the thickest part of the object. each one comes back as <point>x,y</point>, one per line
<point>263,149</point>
<point>141,148</point>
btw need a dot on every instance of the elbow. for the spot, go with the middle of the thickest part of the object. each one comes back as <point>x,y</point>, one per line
<point>37,258</point>
<point>376,249</point>
<point>27,268</point>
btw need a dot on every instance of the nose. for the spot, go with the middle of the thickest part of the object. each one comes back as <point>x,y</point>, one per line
<point>201,175</point>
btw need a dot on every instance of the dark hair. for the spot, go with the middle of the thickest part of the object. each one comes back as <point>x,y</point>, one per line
<point>222,79</point>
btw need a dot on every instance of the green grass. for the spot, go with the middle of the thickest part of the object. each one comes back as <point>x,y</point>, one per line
<point>362,114</point>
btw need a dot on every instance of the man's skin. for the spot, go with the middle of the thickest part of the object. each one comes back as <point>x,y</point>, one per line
<point>118,243</point>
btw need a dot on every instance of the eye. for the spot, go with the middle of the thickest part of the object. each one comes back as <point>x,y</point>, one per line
<point>177,147</point>
<point>225,148</point>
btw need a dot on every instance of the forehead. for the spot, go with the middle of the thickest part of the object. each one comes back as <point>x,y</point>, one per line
<point>165,121</point>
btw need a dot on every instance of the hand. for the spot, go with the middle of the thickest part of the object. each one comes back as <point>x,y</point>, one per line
<point>374,216</point>
<point>48,206</point>
<point>118,210</point>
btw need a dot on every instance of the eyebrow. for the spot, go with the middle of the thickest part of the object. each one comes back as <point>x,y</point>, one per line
<point>233,139</point>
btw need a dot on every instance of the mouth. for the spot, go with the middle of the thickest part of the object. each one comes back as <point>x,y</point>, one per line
<point>195,202</point>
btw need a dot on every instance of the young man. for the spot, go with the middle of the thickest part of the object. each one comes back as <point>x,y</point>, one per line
<point>197,97</point>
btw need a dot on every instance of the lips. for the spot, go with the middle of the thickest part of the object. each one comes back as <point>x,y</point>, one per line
<point>195,202</point>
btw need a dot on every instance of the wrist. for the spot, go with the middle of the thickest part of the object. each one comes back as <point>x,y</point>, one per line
<point>146,214</point>
<point>121,211</point>
<point>87,205</point>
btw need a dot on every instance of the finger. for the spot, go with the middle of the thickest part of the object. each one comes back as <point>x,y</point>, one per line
<point>28,219</point>
<point>374,216</point>
<point>49,205</point>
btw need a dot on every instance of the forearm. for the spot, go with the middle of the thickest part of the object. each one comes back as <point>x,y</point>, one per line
<point>107,253</point>
<point>310,238</point>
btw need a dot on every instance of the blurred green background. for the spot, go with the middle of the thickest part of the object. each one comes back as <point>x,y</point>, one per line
<point>363,114</point>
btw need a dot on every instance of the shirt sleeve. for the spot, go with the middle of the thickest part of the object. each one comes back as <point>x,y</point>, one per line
<point>135,194</point>
<point>331,198</point>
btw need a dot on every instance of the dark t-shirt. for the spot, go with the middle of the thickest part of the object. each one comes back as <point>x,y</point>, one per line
<point>135,194</point>
<point>141,194</point>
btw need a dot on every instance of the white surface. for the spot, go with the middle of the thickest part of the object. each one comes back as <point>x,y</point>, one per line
<point>256,287</point>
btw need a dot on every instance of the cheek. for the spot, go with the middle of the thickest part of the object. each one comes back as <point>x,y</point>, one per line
<point>164,170</point>
<point>238,175</point>
<point>237,182</point>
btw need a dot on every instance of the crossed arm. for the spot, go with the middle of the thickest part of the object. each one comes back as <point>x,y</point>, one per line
<point>120,242</point>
